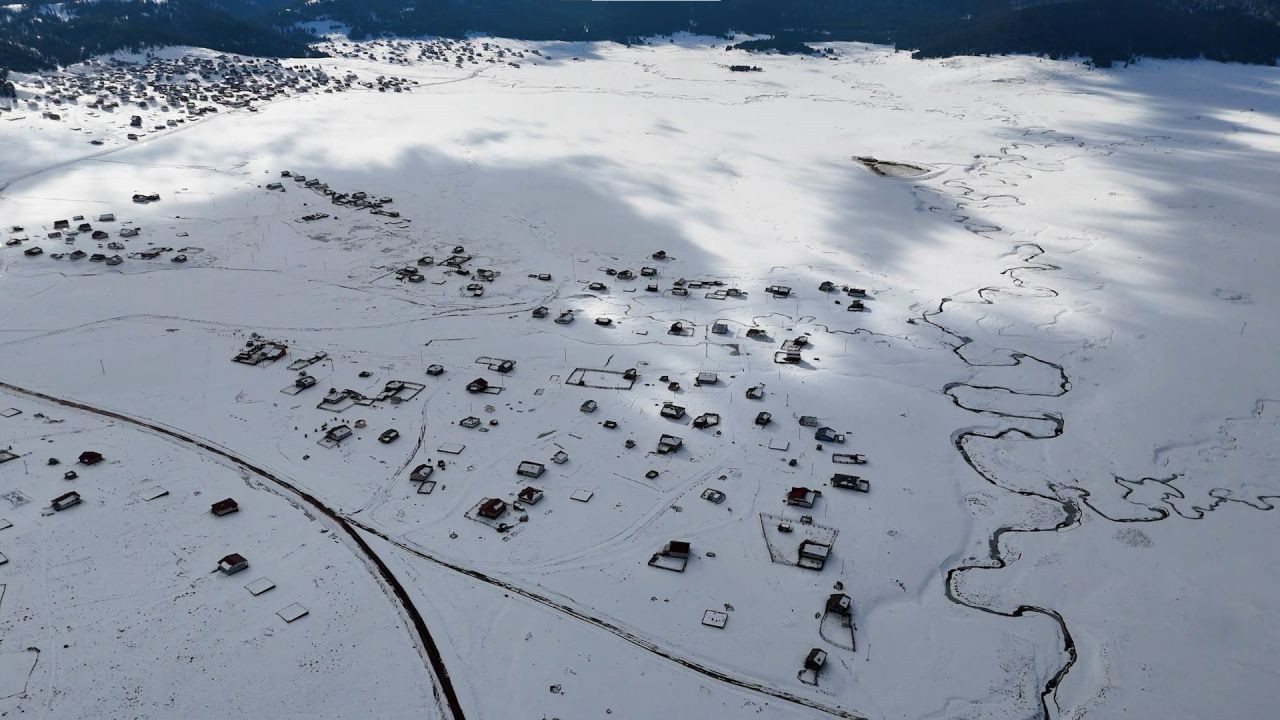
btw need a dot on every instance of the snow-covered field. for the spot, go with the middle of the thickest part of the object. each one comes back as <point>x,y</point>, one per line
<point>1063,385</point>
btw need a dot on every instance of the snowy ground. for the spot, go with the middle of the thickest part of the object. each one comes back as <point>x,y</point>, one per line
<point>1061,386</point>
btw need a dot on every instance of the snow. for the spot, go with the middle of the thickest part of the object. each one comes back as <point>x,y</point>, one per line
<point>1085,262</point>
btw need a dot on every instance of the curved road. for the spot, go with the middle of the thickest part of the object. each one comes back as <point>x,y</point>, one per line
<point>427,644</point>
<point>353,527</point>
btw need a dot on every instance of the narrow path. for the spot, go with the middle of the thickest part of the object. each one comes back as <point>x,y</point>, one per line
<point>640,642</point>
<point>426,643</point>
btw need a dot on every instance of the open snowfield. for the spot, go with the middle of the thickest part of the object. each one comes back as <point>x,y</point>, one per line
<point>1063,385</point>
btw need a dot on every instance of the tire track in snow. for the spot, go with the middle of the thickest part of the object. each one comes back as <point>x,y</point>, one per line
<point>354,527</point>
<point>640,642</point>
<point>443,684</point>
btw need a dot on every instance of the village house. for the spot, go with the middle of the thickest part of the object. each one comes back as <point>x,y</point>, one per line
<point>839,604</point>
<point>529,495</point>
<point>706,420</point>
<point>813,554</point>
<point>224,507</point>
<point>815,660</point>
<point>826,434</point>
<point>673,556</point>
<point>850,482</point>
<point>802,497</point>
<point>90,457</point>
<point>338,433</point>
<point>530,469</point>
<point>668,444</point>
<point>493,508</point>
<point>64,501</point>
<point>232,564</point>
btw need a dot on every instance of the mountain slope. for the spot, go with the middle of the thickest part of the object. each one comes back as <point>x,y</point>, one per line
<point>43,35</point>
<point>1108,31</point>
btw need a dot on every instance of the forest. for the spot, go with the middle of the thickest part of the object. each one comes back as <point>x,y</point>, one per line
<point>40,35</point>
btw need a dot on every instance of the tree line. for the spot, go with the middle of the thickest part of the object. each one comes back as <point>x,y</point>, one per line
<point>1105,31</point>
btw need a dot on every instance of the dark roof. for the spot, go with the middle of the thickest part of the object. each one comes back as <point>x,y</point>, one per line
<point>233,559</point>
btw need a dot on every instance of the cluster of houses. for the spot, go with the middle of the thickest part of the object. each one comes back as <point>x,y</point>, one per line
<point>789,353</point>
<point>358,199</point>
<point>181,89</point>
<point>102,229</point>
<point>793,536</point>
<point>457,52</point>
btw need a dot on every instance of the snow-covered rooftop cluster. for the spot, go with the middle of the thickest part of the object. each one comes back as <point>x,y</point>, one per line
<point>635,386</point>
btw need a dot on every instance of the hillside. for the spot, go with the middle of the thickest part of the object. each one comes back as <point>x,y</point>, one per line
<point>41,35</point>
<point>1107,31</point>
